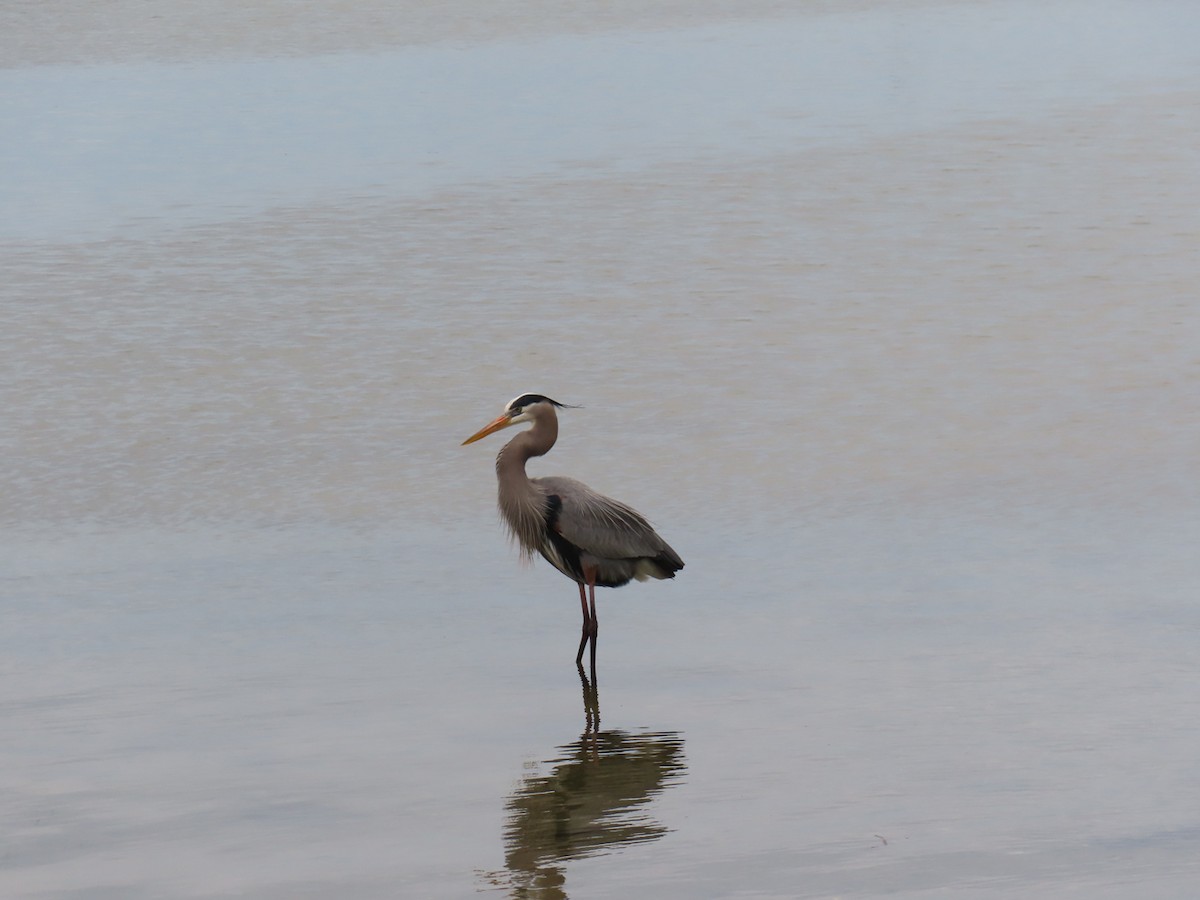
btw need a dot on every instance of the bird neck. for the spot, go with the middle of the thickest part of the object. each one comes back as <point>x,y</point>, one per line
<point>521,502</point>
<point>537,441</point>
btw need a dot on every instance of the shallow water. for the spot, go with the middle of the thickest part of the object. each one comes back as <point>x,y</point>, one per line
<point>885,315</point>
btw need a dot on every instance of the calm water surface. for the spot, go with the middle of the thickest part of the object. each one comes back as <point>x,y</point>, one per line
<point>884,313</point>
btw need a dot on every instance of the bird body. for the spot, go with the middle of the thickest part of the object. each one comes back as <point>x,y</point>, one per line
<point>590,538</point>
<point>588,530</point>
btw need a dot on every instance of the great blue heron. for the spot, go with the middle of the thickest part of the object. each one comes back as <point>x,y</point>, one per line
<point>590,538</point>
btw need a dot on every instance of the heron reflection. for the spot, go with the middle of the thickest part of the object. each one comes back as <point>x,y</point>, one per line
<point>592,798</point>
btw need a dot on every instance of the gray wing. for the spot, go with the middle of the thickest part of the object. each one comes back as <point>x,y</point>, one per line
<point>604,527</point>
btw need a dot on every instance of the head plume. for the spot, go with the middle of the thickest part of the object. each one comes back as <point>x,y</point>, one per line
<point>519,403</point>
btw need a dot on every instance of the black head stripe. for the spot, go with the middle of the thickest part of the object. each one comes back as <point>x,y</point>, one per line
<point>529,399</point>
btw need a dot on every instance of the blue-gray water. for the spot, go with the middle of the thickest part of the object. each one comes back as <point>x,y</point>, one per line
<point>885,314</point>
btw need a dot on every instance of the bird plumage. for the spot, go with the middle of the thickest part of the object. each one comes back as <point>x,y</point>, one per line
<point>614,537</point>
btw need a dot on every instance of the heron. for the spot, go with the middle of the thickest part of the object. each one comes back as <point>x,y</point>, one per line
<point>592,539</point>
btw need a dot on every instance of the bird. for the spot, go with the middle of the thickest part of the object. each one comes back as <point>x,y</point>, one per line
<point>592,539</point>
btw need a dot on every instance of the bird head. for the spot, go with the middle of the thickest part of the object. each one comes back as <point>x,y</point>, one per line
<point>520,409</point>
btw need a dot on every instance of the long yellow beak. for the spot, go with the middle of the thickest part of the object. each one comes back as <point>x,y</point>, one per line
<point>495,425</point>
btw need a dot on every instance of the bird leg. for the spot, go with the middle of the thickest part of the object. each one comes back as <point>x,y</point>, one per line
<point>595,623</point>
<point>587,625</point>
<point>591,625</point>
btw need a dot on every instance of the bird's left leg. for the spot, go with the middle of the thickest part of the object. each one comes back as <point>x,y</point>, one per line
<point>591,580</point>
<point>594,625</point>
<point>587,625</point>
